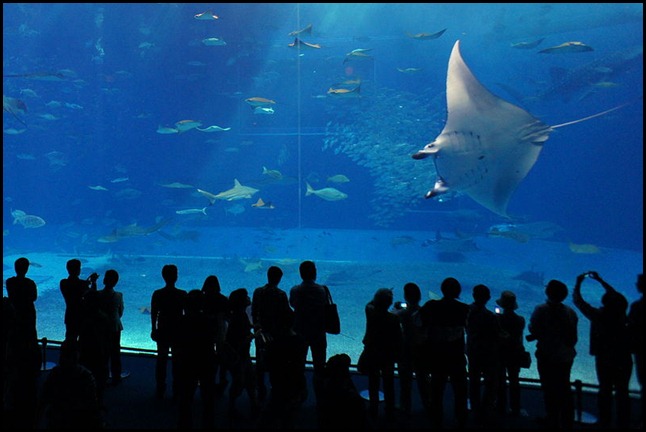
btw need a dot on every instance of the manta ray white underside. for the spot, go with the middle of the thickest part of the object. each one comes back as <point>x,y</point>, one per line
<point>488,145</point>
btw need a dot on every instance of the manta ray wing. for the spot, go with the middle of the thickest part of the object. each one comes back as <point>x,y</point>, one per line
<point>487,145</point>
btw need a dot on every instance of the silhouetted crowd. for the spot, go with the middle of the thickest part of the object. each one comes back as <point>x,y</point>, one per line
<point>204,342</point>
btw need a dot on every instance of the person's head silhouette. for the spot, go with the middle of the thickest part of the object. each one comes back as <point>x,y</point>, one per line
<point>274,275</point>
<point>307,270</point>
<point>169,273</point>
<point>21,266</point>
<point>451,288</point>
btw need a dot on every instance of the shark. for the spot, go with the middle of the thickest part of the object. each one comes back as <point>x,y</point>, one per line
<point>132,230</point>
<point>238,191</point>
<point>488,145</point>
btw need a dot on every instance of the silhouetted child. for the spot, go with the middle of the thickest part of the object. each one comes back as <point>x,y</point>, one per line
<point>511,349</point>
<point>216,307</point>
<point>342,406</point>
<point>239,337</point>
<point>194,361</point>
<point>111,306</point>
<point>69,397</point>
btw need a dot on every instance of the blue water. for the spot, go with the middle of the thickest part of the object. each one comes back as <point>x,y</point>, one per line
<point>125,70</point>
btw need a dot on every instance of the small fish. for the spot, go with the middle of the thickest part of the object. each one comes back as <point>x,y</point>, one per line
<point>15,107</point>
<point>12,131</point>
<point>186,125</point>
<point>338,178</point>
<point>213,128</point>
<point>300,44</point>
<point>213,41</point>
<point>144,310</point>
<point>307,29</point>
<point>263,110</point>
<point>29,221</point>
<point>409,70</point>
<point>426,36</point>
<point>344,92</point>
<point>605,84</point>
<point>274,174</point>
<point>328,194</point>
<point>358,54</point>
<point>191,211</point>
<point>206,16</point>
<point>120,180</point>
<point>48,116</point>
<point>259,102</point>
<point>166,130</point>
<point>567,47</point>
<point>98,188</point>
<point>177,185</point>
<point>584,248</point>
<point>527,45</point>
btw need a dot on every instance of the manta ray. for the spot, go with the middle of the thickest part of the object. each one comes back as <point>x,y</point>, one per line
<point>488,145</point>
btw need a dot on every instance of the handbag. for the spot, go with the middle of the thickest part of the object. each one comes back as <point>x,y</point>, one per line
<point>363,365</point>
<point>332,321</point>
<point>524,359</point>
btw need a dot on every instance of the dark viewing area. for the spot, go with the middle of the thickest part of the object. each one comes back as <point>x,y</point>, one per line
<point>132,404</point>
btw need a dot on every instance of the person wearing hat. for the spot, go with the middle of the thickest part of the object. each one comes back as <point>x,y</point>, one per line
<point>511,348</point>
<point>554,326</point>
<point>610,346</point>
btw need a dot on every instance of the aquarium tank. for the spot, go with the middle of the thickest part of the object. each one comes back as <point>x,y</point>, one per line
<point>226,138</point>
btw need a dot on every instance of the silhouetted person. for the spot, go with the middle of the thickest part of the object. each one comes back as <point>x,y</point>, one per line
<point>286,370</point>
<point>268,303</point>
<point>610,346</point>
<point>445,321</point>
<point>382,343</point>
<point>74,289</point>
<point>554,327</point>
<point>511,348</point>
<point>166,308</point>
<point>93,340</point>
<point>23,352</point>
<point>69,397</point>
<point>483,348</point>
<point>23,293</point>
<point>111,306</point>
<point>342,407</point>
<point>308,299</point>
<point>239,336</point>
<point>411,358</point>
<point>216,307</point>
<point>636,328</point>
<point>194,361</point>
<point>8,326</point>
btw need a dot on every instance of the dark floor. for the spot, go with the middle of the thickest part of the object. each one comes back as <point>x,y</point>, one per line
<point>132,405</point>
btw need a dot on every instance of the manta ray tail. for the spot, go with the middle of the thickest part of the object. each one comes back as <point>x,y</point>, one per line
<point>590,116</point>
